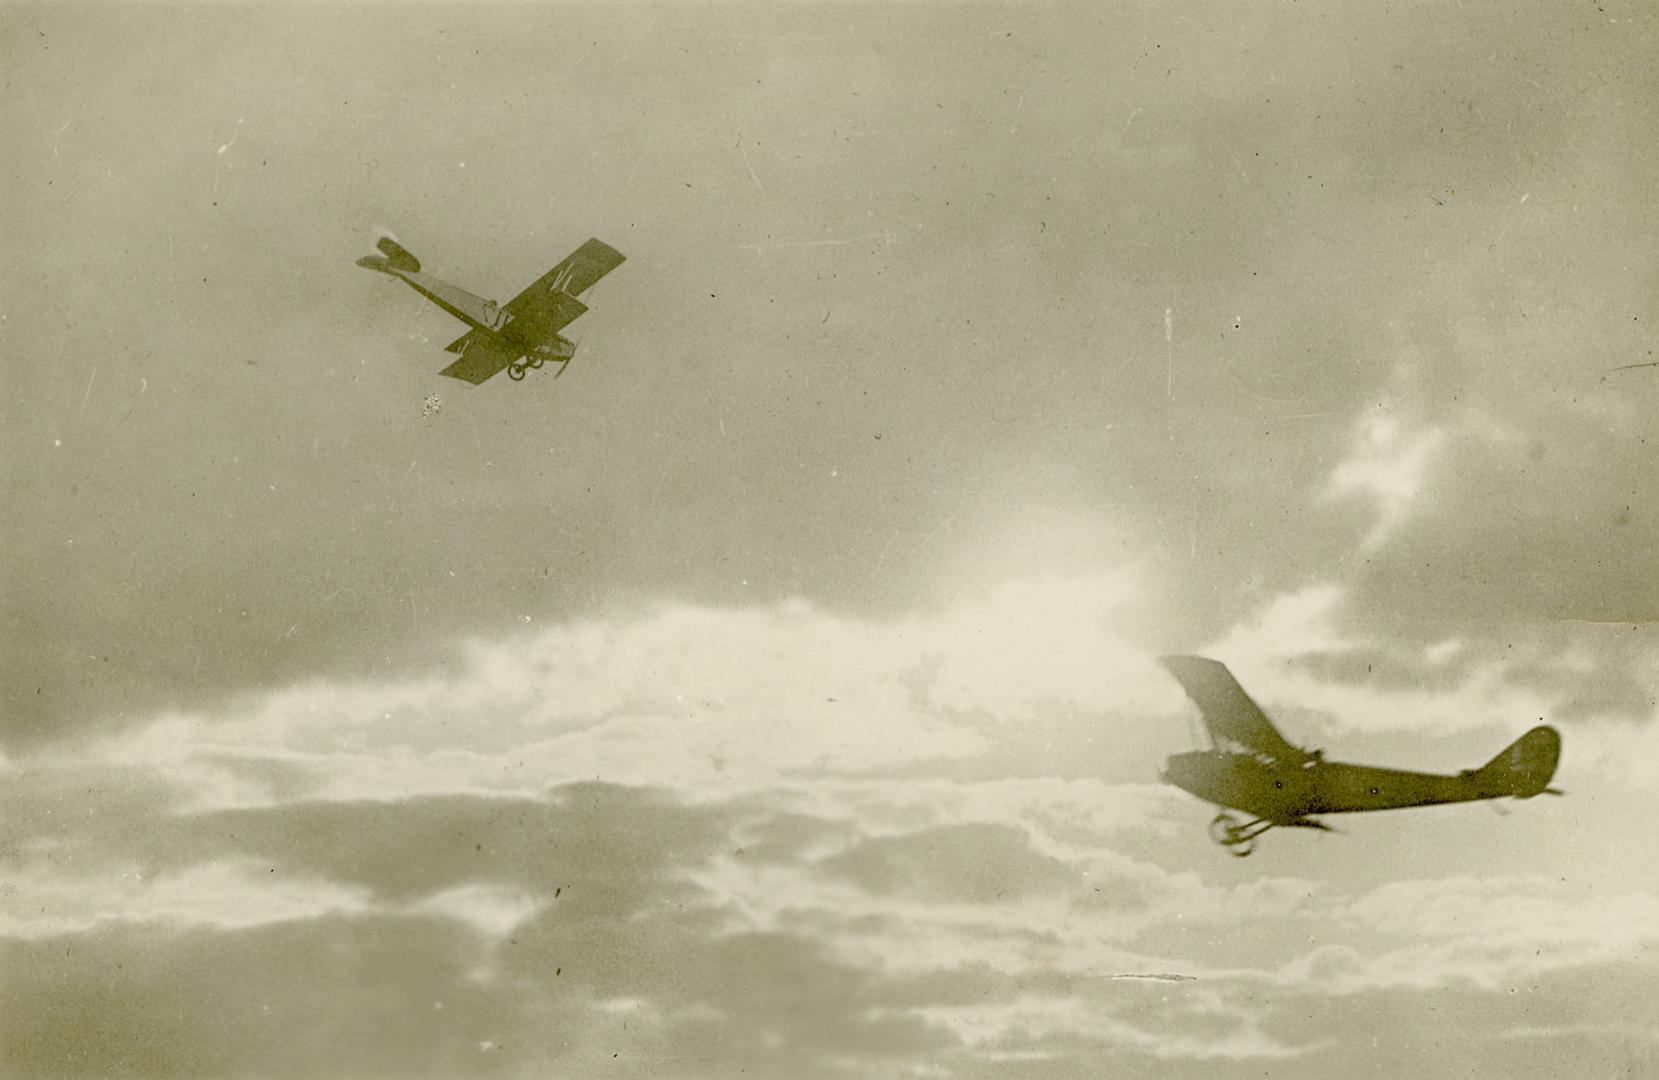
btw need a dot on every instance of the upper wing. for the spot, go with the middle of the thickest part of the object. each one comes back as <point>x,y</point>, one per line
<point>482,356</point>
<point>1228,711</point>
<point>580,269</point>
<point>550,303</point>
<point>537,316</point>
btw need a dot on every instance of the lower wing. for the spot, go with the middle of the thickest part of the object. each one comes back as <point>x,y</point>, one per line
<point>482,357</point>
<point>578,271</point>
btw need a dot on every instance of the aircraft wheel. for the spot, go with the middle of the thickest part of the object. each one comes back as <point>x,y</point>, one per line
<point>1241,848</point>
<point>515,372</point>
<point>1224,829</point>
<point>537,361</point>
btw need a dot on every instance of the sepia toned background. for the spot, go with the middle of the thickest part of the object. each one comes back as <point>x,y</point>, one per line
<point>774,694</point>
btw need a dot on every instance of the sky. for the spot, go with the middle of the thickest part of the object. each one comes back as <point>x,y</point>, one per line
<point>775,695</point>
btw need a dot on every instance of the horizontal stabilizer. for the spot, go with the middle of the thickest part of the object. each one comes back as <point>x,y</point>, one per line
<point>396,257</point>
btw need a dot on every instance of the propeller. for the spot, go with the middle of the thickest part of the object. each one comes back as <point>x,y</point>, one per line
<point>574,346</point>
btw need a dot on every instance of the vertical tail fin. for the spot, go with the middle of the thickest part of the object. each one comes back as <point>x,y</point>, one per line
<point>396,256</point>
<point>1524,767</point>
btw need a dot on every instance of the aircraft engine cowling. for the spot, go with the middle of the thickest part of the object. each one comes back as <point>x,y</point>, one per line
<point>559,349</point>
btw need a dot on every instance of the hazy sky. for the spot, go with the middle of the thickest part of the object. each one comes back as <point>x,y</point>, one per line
<point>773,694</point>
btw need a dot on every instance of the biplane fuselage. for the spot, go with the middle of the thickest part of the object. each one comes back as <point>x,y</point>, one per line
<point>1254,769</point>
<point>488,317</point>
<point>518,335</point>
<point>1284,793</point>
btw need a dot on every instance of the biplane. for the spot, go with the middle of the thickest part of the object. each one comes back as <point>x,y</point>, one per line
<point>1252,768</point>
<point>519,335</point>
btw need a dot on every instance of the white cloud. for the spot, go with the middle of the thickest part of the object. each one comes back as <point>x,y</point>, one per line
<point>845,724</point>
<point>1033,1018</point>
<point>38,900</point>
<point>1086,918</point>
<point>1621,1032</point>
<point>1262,651</point>
<point>1442,651</point>
<point>686,696</point>
<point>492,910</point>
<point>1064,817</point>
<point>1493,932</point>
<point>1386,462</point>
<point>1039,639</point>
<point>1108,913</point>
<point>1289,625</point>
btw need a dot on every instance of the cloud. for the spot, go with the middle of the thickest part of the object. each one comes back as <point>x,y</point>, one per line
<point>682,695</point>
<point>1305,655</point>
<point>39,901</point>
<point>1497,930</point>
<point>1031,1025</point>
<point>962,863</point>
<point>1389,465</point>
<point>1287,654</point>
<point>776,698</point>
<point>813,925</point>
<point>491,910</point>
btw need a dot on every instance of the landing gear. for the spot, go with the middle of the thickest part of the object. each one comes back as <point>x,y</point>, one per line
<point>559,352</point>
<point>1237,837</point>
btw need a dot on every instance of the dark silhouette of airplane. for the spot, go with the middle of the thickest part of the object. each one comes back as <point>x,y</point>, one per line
<point>1252,768</point>
<point>519,335</point>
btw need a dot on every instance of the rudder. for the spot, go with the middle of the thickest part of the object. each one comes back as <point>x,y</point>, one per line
<point>397,258</point>
<point>1525,767</point>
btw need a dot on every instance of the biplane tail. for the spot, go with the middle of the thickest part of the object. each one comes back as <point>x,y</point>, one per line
<point>1525,767</point>
<point>393,257</point>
